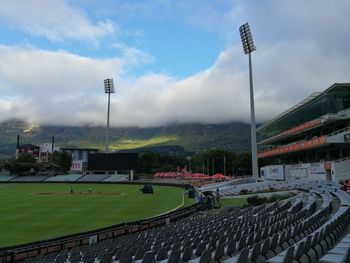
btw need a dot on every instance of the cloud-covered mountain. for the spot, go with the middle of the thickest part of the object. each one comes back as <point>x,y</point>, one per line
<point>192,137</point>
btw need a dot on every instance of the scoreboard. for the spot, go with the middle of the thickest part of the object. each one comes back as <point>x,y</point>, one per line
<point>112,161</point>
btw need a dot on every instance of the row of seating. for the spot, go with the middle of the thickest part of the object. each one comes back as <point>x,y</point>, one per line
<point>230,188</point>
<point>219,237</point>
<point>64,178</point>
<point>5,178</point>
<point>312,247</point>
<point>340,253</point>
<point>303,228</point>
<point>300,254</point>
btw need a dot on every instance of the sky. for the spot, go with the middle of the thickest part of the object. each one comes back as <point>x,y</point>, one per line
<point>172,61</point>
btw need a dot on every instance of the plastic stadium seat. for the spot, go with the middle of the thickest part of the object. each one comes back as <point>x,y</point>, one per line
<point>242,243</point>
<point>106,258</point>
<point>336,258</point>
<point>200,248</point>
<point>299,251</point>
<point>88,258</point>
<point>305,257</point>
<point>149,257</point>
<point>286,258</point>
<point>281,241</point>
<point>125,257</point>
<point>176,246</point>
<point>255,252</point>
<point>187,254</point>
<point>264,250</point>
<point>231,248</point>
<point>174,256</point>
<point>273,246</point>
<point>219,252</point>
<point>140,254</point>
<point>243,256</point>
<point>250,239</point>
<point>162,254</point>
<point>205,257</point>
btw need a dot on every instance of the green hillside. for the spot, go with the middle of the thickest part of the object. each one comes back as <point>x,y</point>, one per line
<point>191,137</point>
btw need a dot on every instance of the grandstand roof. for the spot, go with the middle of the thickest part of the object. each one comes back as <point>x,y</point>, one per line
<point>332,100</point>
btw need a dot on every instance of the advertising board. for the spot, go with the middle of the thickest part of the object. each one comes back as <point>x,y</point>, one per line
<point>77,166</point>
<point>272,172</point>
<point>317,171</point>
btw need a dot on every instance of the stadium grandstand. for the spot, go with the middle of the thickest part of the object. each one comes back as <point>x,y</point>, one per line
<point>312,226</point>
<point>311,139</point>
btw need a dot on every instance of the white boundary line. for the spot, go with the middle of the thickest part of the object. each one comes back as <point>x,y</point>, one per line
<point>182,204</point>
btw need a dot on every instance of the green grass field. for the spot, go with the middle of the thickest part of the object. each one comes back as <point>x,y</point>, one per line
<point>31,212</point>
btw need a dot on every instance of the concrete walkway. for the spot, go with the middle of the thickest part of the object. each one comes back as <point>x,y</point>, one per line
<point>268,194</point>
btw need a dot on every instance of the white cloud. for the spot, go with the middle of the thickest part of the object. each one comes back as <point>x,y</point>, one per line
<point>54,19</point>
<point>133,55</point>
<point>221,93</point>
<point>50,86</point>
<point>62,88</point>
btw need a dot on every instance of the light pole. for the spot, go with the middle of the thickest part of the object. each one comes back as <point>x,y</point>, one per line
<point>189,163</point>
<point>109,88</point>
<point>248,47</point>
<point>224,165</point>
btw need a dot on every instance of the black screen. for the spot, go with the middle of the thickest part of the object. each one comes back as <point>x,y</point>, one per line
<point>112,161</point>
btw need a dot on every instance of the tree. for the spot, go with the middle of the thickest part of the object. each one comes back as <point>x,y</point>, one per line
<point>62,160</point>
<point>214,161</point>
<point>152,162</point>
<point>243,164</point>
<point>149,162</point>
<point>26,158</point>
<point>22,165</point>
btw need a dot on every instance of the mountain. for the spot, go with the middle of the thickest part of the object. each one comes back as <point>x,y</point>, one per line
<point>173,138</point>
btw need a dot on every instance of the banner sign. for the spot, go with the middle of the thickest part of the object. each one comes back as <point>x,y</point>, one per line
<point>77,165</point>
<point>317,171</point>
<point>302,127</point>
<point>272,172</point>
<point>318,141</point>
<point>314,171</point>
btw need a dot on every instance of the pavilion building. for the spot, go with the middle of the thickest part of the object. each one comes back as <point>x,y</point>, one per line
<point>311,139</point>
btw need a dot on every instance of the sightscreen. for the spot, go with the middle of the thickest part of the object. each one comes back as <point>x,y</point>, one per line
<point>112,161</point>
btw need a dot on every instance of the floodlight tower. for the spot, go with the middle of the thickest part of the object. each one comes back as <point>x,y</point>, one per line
<point>109,88</point>
<point>248,47</point>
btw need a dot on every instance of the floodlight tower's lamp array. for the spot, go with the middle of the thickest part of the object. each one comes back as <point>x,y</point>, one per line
<point>109,88</point>
<point>247,39</point>
<point>248,47</point>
